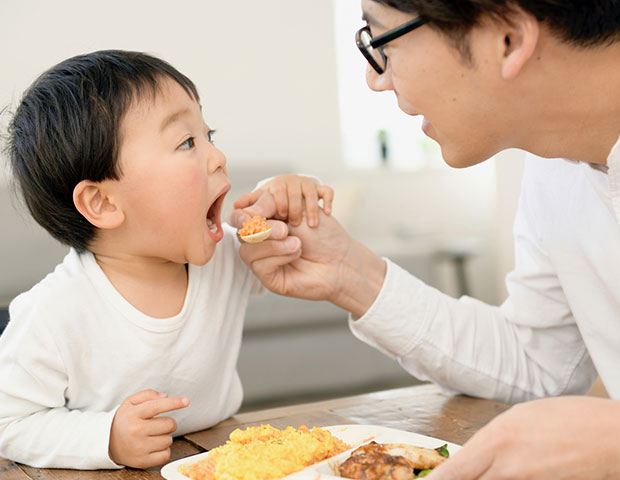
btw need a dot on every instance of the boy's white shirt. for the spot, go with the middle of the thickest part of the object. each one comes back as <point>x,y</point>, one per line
<point>560,325</point>
<point>74,349</point>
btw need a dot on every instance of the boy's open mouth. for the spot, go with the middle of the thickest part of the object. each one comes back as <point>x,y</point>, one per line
<point>214,222</point>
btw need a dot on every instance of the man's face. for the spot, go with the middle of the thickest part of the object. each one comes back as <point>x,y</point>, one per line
<point>173,180</point>
<point>429,77</point>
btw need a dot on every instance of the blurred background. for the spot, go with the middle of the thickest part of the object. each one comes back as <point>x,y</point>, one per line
<point>283,84</point>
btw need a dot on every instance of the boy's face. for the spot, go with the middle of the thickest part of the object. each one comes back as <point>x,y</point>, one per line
<point>460,102</point>
<point>173,179</point>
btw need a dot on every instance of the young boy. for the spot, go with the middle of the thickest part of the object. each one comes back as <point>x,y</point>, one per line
<point>144,315</point>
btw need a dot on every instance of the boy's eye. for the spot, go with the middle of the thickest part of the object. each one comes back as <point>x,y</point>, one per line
<point>210,135</point>
<point>187,144</point>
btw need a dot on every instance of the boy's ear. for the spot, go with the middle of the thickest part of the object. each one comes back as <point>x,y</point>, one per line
<point>94,202</point>
<point>519,42</point>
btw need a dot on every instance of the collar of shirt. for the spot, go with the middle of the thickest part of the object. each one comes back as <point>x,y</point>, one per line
<point>613,171</point>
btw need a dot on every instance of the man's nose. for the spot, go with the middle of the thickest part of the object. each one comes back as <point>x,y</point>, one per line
<point>377,82</point>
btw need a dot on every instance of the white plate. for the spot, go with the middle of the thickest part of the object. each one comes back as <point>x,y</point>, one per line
<point>354,435</point>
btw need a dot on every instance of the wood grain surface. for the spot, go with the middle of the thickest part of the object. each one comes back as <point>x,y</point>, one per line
<point>424,409</point>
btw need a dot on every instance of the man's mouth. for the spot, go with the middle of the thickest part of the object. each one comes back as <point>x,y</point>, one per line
<point>426,127</point>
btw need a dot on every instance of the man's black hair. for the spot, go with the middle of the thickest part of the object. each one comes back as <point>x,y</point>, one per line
<point>582,23</point>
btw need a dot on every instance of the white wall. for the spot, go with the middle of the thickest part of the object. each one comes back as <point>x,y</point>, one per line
<point>265,69</point>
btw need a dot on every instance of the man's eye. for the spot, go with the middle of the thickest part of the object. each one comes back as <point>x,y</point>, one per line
<point>210,135</point>
<point>187,144</point>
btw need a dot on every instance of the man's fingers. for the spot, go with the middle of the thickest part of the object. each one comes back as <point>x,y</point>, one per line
<point>279,230</point>
<point>266,268</point>
<point>252,252</point>
<point>143,396</point>
<point>469,463</point>
<point>327,194</point>
<point>152,408</point>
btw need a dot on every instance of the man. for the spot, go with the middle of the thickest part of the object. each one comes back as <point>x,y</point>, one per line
<point>543,76</point>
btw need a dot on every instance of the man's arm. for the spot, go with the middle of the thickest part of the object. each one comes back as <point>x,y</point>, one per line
<point>528,348</point>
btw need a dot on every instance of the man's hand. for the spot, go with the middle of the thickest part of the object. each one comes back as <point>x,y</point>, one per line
<point>563,437</point>
<point>322,263</point>
<point>283,269</point>
<point>138,437</point>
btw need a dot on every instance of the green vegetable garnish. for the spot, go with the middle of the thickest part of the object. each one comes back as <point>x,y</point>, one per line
<point>424,473</point>
<point>443,450</point>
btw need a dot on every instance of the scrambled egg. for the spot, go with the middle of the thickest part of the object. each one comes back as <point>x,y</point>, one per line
<point>265,453</point>
<point>254,225</point>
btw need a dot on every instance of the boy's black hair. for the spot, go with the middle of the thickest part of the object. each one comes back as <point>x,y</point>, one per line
<point>582,23</point>
<point>66,129</point>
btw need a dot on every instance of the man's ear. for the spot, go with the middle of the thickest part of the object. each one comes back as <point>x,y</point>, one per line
<point>94,202</point>
<point>520,41</point>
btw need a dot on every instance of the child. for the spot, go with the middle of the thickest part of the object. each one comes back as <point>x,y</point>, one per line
<point>144,314</point>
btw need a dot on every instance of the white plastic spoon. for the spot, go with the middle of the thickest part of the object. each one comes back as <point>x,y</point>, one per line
<point>256,237</point>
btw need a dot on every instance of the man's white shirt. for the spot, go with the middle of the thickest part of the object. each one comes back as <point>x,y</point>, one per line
<point>560,325</point>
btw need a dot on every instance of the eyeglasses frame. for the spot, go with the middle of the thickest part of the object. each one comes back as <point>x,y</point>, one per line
<point>384,38</point>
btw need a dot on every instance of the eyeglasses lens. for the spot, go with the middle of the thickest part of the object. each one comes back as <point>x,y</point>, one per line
<point>375,53</point>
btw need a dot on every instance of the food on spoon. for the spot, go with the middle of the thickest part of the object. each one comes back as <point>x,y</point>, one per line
<point>391,461</point>
<point>254,225</point>
<point>265,453</point>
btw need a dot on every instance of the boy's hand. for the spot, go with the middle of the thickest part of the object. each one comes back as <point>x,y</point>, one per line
<point>138,438</point>
<point>287,195</point>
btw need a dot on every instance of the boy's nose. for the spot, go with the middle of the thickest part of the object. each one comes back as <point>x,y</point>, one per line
<point>216,160</point>
<point>377,82</point>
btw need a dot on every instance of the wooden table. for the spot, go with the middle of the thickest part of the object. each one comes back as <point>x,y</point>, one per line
<point>422,409</point>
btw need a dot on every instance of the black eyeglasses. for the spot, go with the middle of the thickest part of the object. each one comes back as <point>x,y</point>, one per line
<point>372,49</point>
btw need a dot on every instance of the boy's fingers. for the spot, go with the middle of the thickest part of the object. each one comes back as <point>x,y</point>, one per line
<point>264,206</point>
<point>152,408</point>
<point>311,199</point>
<point>327,194</point>
<point>247,199</point>
<point>159,426</point>
<point>159,443</point>
<point>295,204</point>
<point>237,217</point>
<point>143,396</point>
<point>281,199</point>
<point>158,458</point>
